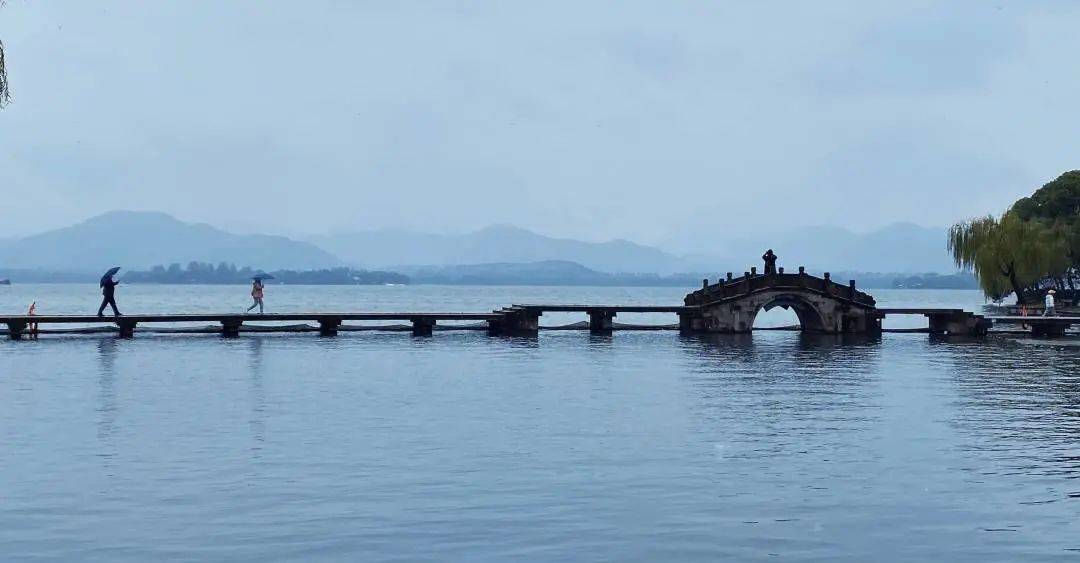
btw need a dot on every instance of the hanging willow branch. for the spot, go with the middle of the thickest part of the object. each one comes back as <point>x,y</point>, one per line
<point>5,94</point>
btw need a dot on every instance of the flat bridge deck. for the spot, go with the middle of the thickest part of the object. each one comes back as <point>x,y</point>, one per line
<point>329,323</point>
<point>498,322</point>
<point>1035,320</point>
<point>227,317</point>
<point>917,311</point>
<point>608,308</point>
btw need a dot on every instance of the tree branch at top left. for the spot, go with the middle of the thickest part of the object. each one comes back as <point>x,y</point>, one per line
<point>5,93</point>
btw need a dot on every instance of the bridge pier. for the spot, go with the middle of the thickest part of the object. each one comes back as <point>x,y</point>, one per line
<point>1049,330</point>
<point>423,326</point>
<point>601,321</point>
<point>127,328</point>
<point>328,326</point>
<point>691,322</point>
<point>16,329</point>
<point>958,323</point>
<point>861,324</point>
<point>230,328</point>
<point>516,321</point>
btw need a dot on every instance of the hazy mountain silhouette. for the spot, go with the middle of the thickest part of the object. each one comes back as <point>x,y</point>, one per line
<point>139,240</point>
<point>897,248</point>
<point>495,244</point>
<point>143,239</point>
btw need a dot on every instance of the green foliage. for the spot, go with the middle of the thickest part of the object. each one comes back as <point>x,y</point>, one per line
<point>1035,244</point>
<point>1056,201</point>
<point>1001,252</point>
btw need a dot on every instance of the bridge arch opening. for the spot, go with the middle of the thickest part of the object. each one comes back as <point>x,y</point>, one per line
<point>808,317</point>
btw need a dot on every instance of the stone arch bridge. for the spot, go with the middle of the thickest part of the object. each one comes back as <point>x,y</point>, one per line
<point>822,305</point>
<point>732,304</point>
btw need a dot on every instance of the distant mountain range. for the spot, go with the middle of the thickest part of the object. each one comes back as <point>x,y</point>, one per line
<point>902,247</point>
<point>139,240</point>
<point>495,244</point>
<point>557,272</point>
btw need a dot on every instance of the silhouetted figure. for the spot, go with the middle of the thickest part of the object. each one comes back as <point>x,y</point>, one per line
<point>108,292</point>
<point>770,262</point>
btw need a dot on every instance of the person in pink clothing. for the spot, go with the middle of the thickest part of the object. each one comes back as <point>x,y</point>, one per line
<point>257,295</point>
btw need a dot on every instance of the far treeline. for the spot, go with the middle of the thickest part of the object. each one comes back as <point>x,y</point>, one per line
<point>1033,247</point>
<point>225,273</point>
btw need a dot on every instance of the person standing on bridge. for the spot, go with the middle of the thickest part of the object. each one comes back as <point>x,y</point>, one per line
<point>770,262</point>
<point>1049,311</point>
<point>108,292</point>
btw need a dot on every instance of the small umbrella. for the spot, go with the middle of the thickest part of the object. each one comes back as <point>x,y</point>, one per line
<point>112,272</point>
<point>262,276</point>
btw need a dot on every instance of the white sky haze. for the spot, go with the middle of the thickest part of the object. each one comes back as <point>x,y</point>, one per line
<point>653,121</point>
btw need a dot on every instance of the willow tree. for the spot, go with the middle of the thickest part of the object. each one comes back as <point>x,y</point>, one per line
<point>1007,254</point>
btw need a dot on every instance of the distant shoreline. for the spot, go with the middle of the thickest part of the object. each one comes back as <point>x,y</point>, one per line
<point>557,273</point>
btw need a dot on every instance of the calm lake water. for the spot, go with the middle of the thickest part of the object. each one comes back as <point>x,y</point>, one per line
<point>644,446</point>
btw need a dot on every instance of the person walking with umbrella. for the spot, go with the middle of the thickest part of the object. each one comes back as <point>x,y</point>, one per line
<point>108,292</point>
<point>257,290</point>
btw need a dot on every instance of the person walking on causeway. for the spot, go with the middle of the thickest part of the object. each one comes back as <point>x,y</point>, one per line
<point>108,292</point>
<point>1049,310</point>
<point>257,295</point>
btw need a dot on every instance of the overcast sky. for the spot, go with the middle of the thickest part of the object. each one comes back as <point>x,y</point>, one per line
<point>653,121</point>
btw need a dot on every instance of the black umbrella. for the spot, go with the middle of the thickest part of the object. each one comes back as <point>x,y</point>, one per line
<point>112,272</point>
<point>262,276</point>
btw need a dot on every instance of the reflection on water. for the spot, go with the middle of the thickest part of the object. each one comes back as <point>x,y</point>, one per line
<point>257,395</point>
<point>462,447</point>
<point>106,352</point>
